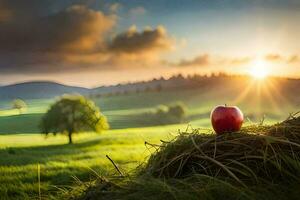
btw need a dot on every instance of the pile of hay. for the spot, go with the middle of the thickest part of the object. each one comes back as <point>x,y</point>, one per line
<point>255,154</point>
<point>259,162</point>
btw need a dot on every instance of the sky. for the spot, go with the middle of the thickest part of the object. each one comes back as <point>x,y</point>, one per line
<point>96,42</point>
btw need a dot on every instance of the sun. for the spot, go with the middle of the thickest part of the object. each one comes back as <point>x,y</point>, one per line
<point>259,69</point>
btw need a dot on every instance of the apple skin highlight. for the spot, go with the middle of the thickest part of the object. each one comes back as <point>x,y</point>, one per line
<point>226,119</point>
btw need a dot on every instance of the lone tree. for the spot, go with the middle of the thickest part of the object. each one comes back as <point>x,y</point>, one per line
<point>72,114</point>
<point>177,112</point>
<point>19,104</point>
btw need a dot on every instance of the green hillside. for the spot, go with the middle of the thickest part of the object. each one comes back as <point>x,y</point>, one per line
<point>125,110</point>
<point>22,147</point>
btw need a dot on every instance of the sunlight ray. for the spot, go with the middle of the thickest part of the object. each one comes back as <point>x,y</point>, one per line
<point>274,89</point>
<point>244,94</point>
<point>271,98</point>
<point>258,101</point>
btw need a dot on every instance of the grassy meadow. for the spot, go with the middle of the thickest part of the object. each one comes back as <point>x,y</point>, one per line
<point>23,147</point>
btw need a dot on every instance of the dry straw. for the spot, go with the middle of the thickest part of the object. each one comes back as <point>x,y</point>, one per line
<point>256,154</point>
<point>259,162</point>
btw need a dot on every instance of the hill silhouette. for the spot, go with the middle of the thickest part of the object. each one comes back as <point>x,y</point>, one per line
<point>38,89</point>
<point>231,84</point>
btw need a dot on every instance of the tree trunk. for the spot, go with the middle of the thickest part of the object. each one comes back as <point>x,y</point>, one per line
<point>70,137</point>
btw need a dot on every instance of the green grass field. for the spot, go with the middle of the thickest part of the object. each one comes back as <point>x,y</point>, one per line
<point>60,163</point>
<point>23,148</point>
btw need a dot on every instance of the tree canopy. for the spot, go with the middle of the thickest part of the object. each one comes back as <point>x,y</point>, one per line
<point>19,104</point>
<point>73,114</point>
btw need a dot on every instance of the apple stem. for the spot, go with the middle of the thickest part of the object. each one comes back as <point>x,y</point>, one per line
<point>225,105</point>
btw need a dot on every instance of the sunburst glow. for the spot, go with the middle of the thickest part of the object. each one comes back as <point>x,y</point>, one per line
<point>259,69</point>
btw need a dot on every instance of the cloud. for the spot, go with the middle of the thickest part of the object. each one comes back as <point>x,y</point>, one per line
<point>205,60</point>
<point>45,41</point>
<point>29,9</point>
<point>273,57</point>
<point>73,39</point>
<point>148,41</point>
<point>139,49</point>
<point>5,13</point>
<point>201,60</point>
<point>238,61</point>
<point>293,59</point>
<point>283,59</point>
<point>76,29</point>
<point>115,7</point>
<point>137,11</point>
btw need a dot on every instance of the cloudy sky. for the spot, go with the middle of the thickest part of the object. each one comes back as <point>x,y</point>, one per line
<point>96,42</point>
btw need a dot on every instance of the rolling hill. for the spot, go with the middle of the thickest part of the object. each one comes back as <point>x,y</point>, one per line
<point>38,89</point>
<point>243,86</point>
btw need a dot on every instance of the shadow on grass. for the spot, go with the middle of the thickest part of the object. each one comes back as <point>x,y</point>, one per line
<point>29,123</point>
<point>18,156</point>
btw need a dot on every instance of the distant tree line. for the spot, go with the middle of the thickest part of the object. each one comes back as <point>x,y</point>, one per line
<point>157,88</point>
<point>171,83</point>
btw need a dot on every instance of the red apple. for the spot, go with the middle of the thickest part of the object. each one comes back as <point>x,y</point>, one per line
<point>226,119</point>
